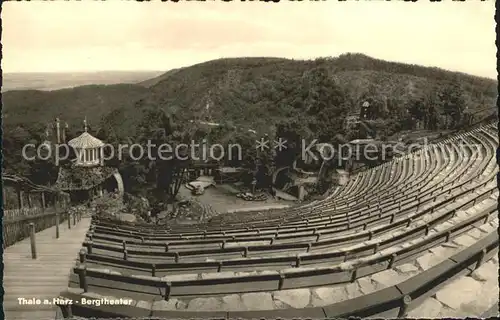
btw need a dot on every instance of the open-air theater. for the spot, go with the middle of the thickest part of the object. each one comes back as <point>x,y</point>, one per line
<point>378,246</point>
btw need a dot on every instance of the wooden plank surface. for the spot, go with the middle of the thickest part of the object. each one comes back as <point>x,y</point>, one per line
<point>45,277</point>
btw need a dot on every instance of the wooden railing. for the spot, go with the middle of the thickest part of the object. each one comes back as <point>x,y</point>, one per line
<point>31,208</point>
<point>16,223</point>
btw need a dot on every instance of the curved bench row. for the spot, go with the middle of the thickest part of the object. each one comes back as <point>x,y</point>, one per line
<point>366,250</point>
<point>247,230</point>
<point>318,238</point>
<point>174,232</point>
<point>200,243</point>
<point>445,205</point>
<point>427,227</point>
<point>393,301</point>
<point>407,228</point>
<point>311,227</point>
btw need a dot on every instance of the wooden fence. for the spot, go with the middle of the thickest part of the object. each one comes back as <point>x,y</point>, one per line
<point>16,222</point>
<point>25,203</point>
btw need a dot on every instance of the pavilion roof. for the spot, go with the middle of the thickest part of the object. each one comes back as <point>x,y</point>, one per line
<point>85,141</point>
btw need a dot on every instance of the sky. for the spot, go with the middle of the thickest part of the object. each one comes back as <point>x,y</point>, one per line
<point>64,36</point>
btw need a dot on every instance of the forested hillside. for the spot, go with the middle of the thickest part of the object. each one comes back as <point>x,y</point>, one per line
<point>29,107</point>
<point>261,92</point>
<point>290,98</point>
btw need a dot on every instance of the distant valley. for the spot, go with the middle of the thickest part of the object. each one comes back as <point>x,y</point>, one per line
<point>54,81</point>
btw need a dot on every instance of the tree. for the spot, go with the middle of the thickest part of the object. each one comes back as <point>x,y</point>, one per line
<point>160,169</point>
<point>325,103</point>
<point>431,104</point>
<point>376,100</point>
<point>293,131</point>
<point>35,162</point>
<point>170,168</point>
<point>453,103</point>
<point>13,140</point>
<point>417,110</point>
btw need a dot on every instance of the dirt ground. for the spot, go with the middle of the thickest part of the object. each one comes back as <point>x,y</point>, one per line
<point>222,198</point>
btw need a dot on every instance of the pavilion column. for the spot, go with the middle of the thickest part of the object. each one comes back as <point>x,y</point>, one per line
<point>42,194</point>
<point>66,199</point>
<point>101,155</point>
<point>301,192</point>
<point>56,199</point>
<point>30,203</point>
<point>3,196</point>
<point>20,199</point>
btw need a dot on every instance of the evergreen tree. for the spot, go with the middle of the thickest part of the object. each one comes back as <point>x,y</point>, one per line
<point>325,103</point>
<point>453,103</point>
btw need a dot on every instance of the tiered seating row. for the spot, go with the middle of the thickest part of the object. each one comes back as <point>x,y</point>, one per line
<point>266,222</point>
<point>289,278</point>
<point>247,248</point>
<point>312,228</point>
<point>330,243</point>
<point>393,301</point>
<point>247,230</point>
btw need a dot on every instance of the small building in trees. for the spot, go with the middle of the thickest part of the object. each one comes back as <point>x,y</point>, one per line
<point>366,112</point>
<point>352,122</point>
<point>86,176</point>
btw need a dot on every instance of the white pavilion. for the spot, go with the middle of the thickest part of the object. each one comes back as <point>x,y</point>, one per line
<point>88,149</point>
<point>87,176</point>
